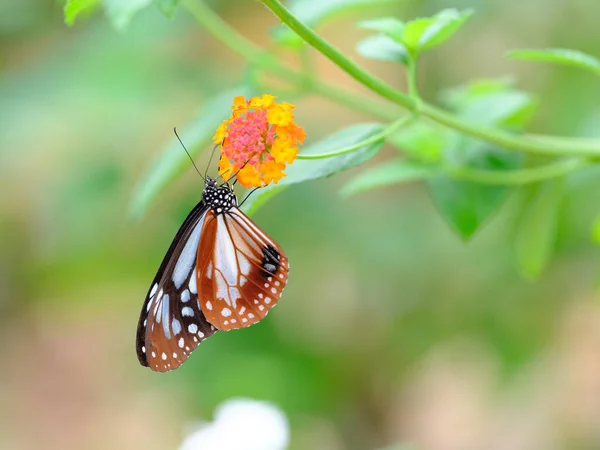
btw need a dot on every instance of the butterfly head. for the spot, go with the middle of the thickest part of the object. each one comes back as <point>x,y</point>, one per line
<point>220,198</point>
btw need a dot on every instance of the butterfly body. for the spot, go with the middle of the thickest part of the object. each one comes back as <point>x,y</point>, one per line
<point>221,272</point>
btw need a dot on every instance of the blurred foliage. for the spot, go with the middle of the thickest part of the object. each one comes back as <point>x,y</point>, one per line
<point>391,329</point>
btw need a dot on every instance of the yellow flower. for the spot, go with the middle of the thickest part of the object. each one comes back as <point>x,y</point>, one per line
<point>283,151</point>
<point>221,132</point>
<point>280,115</point>
<point>261,138</point>
<point>262,102</point>
<point>272,171</point>
<point>226,169</point>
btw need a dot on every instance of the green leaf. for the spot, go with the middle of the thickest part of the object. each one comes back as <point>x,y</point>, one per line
<point>120,12</point>
<point>491,102</point>
<point>536,229</point>
<point>422,141</point>
<point>168,7</point>
<point>388,174</point>
<point>74,7</point>
<point>425,33</point>
<point>312,169</point>
<point>388,26</point>
<point>559,56</point>
<point>447,22</point>
<point>316,12</point>
<point>468,205</point>
<point>382,48</point>
<point>596,231</point>
<point>173,160</point>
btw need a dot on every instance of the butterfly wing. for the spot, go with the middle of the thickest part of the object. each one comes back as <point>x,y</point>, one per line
<point>171,323</point>
<point>241,271</point>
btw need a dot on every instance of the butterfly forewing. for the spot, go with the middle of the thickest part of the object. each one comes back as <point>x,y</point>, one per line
<point>171,323</point>
<point>241,271</point>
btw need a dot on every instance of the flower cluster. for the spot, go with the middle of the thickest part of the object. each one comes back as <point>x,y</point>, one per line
<point>258,140</point>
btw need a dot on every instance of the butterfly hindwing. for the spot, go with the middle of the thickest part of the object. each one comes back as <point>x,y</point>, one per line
<point>171,323</point>
<point>241,271</point>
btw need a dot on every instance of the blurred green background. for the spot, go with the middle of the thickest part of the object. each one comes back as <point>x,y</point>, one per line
<point>391,328</point>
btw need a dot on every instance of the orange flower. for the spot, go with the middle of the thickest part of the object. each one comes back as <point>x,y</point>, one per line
<point>272,171</point>
<point>260,137</point>
<point>249,176</point>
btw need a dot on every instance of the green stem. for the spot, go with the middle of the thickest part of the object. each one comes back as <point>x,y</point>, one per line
<point>411,75</point>
<point>257,56</point>
<point>518,177</point>
<point>545,146</point>
<point>371,140</point>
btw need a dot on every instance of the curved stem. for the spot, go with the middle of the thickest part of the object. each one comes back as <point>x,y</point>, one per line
<point>518,177</point>
<point>256,55</point>
<point>546,146</point>
<point>375,138</point>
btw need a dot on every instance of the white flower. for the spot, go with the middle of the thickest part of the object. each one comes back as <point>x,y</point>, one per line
<point>242,424</point>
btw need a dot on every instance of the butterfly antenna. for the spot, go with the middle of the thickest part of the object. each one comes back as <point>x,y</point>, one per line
<point>210,160</point>
<point>248,196</point>
<point>188,153</point>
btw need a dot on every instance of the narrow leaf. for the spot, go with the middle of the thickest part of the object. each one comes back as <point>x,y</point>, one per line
<point>447,22</point>
<point>388,26</point>
<point>173,160</point>
<point>536,229</point>
<point>382,48</point>
<point>168,7</point>
<point>388,174</point>
<point>305,170</point>
<point>120,12</point>
<point>424,33</point>
<point>74,7</point>
<point>559,56</point>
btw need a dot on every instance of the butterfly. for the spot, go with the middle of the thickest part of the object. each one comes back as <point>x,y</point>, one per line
<point>221,272</point>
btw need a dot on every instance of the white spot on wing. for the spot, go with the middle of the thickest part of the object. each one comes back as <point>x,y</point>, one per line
<point>225,253</point>
<point>185,296</point>
<point>192,284</point>
<point>193,328</point>
<point>267,301</point>
<point>165,316</point>
<point>244,263</point>
<point>225,312</point>
<point>234,294</point>
<point>187,257</point>
<point>208,305</point>
<point>181,342</point>
<point>222,288</point>
<point>164,356</point>
<point>153,291</point>
<point>176,325</point>
<point>187,312</point>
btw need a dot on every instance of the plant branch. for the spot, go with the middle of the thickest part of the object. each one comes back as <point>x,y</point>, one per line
<point>544,146</point>
<point>259,57</point>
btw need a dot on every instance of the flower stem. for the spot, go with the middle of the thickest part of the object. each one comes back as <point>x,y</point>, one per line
<point>545,146</point>
<point>403,121</point>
